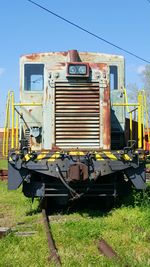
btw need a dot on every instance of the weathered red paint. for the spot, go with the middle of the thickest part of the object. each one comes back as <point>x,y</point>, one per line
<point>97,66</point>
<point>77,105</point>
<point>33,57</point>
<point>106,119</point>
<point>73,56</point>
<point>78,171</point>
<point>46,94</point>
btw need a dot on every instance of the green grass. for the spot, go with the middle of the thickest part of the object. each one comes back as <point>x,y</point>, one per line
<point>148,165</point>
<point>3,164</point>
<point>126,229</point>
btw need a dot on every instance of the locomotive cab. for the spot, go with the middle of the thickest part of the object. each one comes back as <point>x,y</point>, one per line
<point>65,94</point>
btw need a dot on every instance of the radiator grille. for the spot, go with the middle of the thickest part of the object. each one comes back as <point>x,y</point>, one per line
<point>77,115</point>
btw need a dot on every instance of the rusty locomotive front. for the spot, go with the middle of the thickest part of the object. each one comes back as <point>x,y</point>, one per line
<point>72,139</point>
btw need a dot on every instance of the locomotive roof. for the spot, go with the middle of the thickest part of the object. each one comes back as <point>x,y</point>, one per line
<point>63,56</point>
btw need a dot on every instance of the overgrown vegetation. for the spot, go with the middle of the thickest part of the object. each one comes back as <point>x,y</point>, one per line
<point>126,229</point>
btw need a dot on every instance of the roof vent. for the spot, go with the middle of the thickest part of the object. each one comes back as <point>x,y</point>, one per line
<point>73,56</point>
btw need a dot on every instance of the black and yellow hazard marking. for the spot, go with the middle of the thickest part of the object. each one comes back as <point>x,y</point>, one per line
<point>126,157</point>
<point>99,156</point>
<point>76,153</point>
<point>27,157</point>
<point>110,155</point>
<point>54,157</point>
<point>41,156</point>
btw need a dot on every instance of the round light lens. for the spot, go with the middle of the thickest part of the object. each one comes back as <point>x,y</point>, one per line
<point>82,69</point>
<point>72,70</point>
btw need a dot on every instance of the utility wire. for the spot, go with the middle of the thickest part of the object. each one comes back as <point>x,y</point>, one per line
<point>87,31</point>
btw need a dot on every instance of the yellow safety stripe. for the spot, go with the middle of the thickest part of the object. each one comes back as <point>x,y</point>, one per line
<point>27,157</point>
<point>126,157</point>
<point>10,159</point>
<point>110,155</point>
<point>98,156</point>
<point>54,157</point>
<point>41,156</point>
<point>76,153</point>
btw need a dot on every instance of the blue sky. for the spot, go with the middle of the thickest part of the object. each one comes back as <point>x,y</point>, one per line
<point>25,29</point>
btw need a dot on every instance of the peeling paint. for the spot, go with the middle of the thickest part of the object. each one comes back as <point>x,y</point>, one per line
<point>76,111</point>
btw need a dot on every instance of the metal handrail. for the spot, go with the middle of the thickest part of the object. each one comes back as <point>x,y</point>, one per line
<point>145,110</point>
<point>141,106</point>
<point>6,126</point>
<point>12,119</point>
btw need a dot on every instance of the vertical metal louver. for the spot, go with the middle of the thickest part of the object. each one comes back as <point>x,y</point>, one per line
<point>77,115</point>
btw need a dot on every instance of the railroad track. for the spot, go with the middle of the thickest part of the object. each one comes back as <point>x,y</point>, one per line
<point>53,253</point>
<point>102,245</point>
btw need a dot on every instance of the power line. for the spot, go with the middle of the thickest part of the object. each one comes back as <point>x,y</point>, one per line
<point>87,31</point>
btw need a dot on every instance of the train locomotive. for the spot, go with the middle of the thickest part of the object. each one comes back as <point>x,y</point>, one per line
<point>73,141</point>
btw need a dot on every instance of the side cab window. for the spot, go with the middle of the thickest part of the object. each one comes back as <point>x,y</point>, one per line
<point>34,77</point>
<point>113,77</point>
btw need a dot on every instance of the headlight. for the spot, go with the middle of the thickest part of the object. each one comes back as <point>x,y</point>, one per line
<point>78,69</point>
<point>82,69</point>
<point>72,69</point>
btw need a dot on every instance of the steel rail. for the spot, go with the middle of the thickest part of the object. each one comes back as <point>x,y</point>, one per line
<point>53,254</point>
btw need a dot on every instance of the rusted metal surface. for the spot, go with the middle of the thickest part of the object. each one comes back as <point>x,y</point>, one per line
<point>76,99</point>
<point>4,231</point>
<point>78,171</point>
<point>53,254</point>
<point>33,57</point>
<point>106,249</point>
<point>109,252</point>
<point>77,114</point>
<point>147,170</point>
<point>134,131</point>
<point>147,144</point>
<point>106,119</point>
<point>3,174</point>
<point>73,56</point>
<point>147,174</point>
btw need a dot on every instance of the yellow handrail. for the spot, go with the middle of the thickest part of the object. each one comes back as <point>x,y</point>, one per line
<point>142,108</point>
<point>126,101</point>
<point>17,130</point>
<point>126,105</point>
<point>14,123</point>
<point>12,119</point>
<point>145,110</point>
<point>6,126</point>
<point>147,120</point>
<point>10,107</point>
<point>34,104</point>
<point>140,121</point>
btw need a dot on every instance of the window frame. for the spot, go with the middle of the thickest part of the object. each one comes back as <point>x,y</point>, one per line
<point>117,78</point>
<point>23,80</point>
